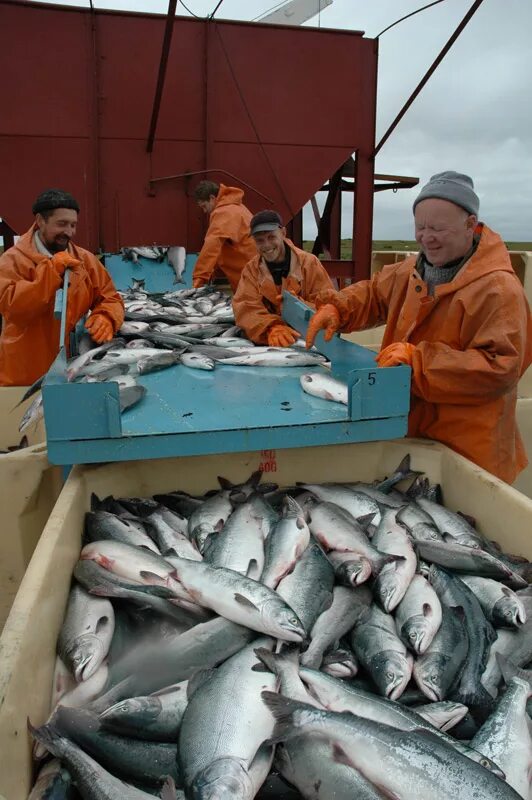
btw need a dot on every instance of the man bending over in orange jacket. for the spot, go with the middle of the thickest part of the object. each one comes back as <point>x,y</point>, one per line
<point>458,316</point>
<point>278,265</point>
<point>30,274</point>
<point>228,245</point>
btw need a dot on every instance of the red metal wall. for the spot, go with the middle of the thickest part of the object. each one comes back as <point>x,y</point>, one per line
<point>280,108</point>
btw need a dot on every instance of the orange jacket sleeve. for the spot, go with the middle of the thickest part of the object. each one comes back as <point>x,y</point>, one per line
<point>106,299</point>
<point>317,280</point>
<point>363,304</point>
<point>495,324</point>
<point>21,298</point>
<point>209,254</point>
<point>250,312</point>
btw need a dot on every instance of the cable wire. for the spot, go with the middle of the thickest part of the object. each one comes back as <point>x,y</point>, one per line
<point>412,13</point>
<point>189,11</point>
<point>211,16</point>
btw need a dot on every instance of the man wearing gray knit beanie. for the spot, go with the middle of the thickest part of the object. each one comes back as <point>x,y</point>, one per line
<point>457,315</point>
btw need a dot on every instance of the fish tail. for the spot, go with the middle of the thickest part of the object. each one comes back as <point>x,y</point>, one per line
<point>272,661</point>
<point>285,712</point>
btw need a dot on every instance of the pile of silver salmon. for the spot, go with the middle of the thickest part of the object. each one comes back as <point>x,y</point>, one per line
<point>192,327</point>
<point>321,641</point>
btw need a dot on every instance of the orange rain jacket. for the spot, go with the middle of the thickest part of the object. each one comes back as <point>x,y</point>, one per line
<point>473,341</point>
<point>257,302</point>
<point>28,282</point>
<point>228,244</point>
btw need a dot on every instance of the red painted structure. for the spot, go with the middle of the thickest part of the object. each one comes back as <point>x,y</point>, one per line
<point>274,109</point>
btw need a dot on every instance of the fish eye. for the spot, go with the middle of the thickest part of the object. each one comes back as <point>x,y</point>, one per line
<point>484,763</point>
<point>293,621</point>
<point>390,675</point>
<point>412,636</point>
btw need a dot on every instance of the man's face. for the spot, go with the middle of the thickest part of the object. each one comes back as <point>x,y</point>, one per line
<point>270,244</point>
<point>443,230</point>
<point>207,206</point>
<point>57,231</point>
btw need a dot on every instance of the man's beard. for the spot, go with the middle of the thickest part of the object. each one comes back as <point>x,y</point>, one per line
<point>57,247</point>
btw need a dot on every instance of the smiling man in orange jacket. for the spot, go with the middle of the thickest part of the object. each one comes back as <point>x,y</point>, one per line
<point>228,245</point>
<point>458,316</point>
<point>279,265</point>
<point>30,274</point>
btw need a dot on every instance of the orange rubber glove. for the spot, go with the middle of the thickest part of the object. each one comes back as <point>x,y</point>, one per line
<point>396,353</point>
<point>327,318</point>
<point>100,328</point>
<point>280,335</point>
<point>63,260</point>
<point>197,283</point>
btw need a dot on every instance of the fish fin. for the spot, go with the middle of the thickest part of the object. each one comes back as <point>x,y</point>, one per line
<point>95,502</point>
<point>46,736</point>
<point>427,610</point>
<point>253,564</point>
<point>291,506</point>
<point>268,661</point>
<point>102,623</point>
<point>219,526</point>
<point>168,792</point>
<point>152,577</point>
<point>244,601</point>
<point>340,756</point>
<point>224,483</point>
<point>200,677</point>
<point>365,520</point>
<point>254,479</point>
<point>282,709</point>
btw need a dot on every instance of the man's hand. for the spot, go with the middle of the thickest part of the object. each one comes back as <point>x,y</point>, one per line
<point>280,335</point>
<point>100,328</point>
<point>326,318</point>
<point>396,353</point>
<point>63,260</point>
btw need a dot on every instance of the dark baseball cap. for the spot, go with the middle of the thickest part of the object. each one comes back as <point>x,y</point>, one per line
<point>265,221</point>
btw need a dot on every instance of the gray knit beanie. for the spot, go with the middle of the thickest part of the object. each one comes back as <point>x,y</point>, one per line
<point>452,186</point>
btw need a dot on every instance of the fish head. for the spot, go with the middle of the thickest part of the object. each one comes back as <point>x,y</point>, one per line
<point>354,572</point>
<point>141,710</point>
<point>200,534</point>
<point>288,624</point>
<point>415,633</point>
<point>391,671</point>
<point>387,588</point>
<point>86,656</point>
<point>429,674</point>
<point>508,611</point>
<point>223,779</point>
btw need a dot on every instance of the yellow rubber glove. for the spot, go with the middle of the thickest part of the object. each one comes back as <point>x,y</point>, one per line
<point>63,260</point>
<point>100,328</point>
<point>326,318</point>
<point>280,335</point>
<point>396,353</point>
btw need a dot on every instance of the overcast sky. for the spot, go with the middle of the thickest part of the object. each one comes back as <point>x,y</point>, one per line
<point>474,115</point>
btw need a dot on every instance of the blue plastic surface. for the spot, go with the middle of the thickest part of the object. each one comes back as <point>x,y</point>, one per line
<point>229,409</point>
<point>158,276</point>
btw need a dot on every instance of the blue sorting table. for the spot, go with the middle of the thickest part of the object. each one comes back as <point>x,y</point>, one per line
<point>231,409</point>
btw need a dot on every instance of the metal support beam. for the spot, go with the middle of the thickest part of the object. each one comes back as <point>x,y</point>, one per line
<point>167,40</point>
<point>322,242</point>
<point>476,5</point>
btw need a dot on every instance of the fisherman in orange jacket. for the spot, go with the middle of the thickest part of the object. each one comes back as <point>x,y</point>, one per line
<point>228,245</point>
<point>278,265</point>
<point>458,316</point>
<point>30,274</point>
